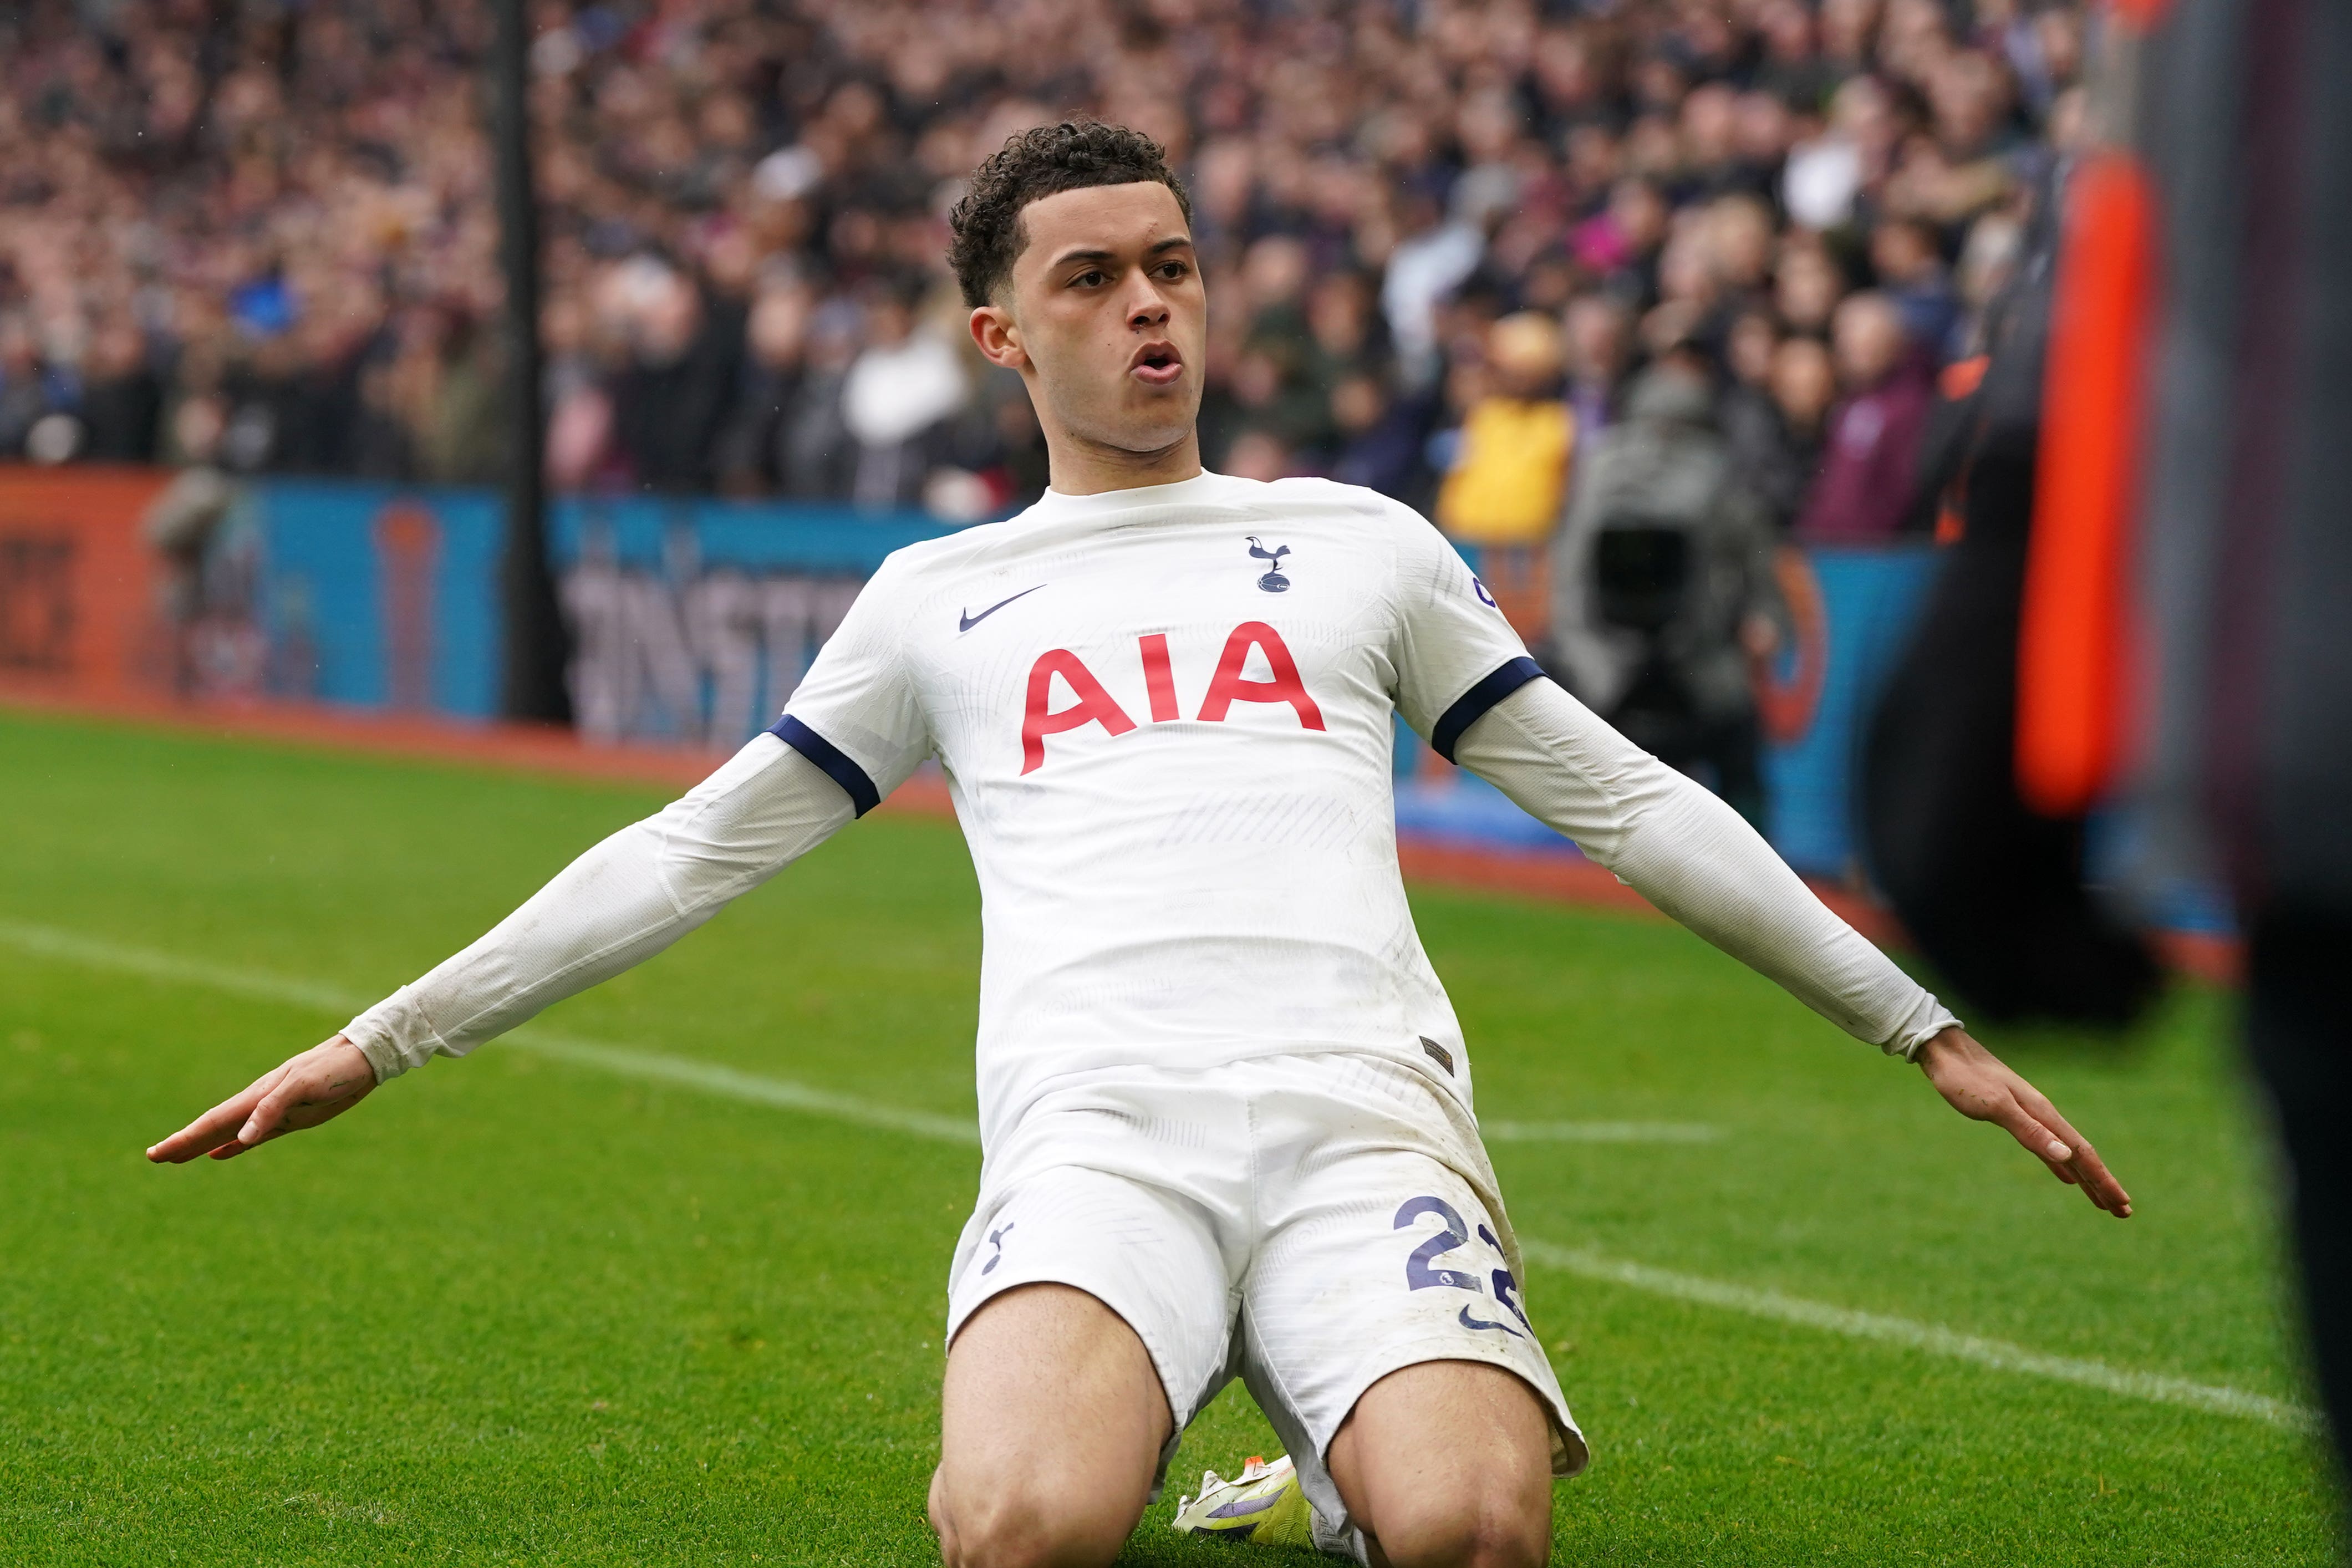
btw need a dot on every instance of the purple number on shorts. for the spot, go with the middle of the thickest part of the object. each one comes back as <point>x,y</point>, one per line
<point>1418,1274</point>
<point>1506,1291</point>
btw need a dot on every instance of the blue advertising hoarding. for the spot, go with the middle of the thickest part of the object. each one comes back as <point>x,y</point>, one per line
<point>693,619</point>
<point>1868,601</point>
<point>388,596</point>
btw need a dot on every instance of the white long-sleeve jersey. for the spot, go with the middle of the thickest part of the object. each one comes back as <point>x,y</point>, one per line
<point>1165,718</point>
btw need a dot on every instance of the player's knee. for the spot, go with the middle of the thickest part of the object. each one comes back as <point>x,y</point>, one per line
<point>1496,1526</point>
<point>1022,1527</point>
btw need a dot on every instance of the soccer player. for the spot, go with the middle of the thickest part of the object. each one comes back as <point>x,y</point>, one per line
<point>1225,1105</point>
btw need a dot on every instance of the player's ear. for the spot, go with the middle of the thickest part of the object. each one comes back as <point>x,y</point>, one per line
<point>999,337</point>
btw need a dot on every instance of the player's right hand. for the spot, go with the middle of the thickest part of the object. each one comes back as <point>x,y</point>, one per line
<point>317,1086</point>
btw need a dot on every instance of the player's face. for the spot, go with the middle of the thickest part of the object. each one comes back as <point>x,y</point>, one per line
<point>1107,316</point>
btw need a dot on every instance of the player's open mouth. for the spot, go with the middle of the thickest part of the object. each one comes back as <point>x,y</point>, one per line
<point>1157,365</point>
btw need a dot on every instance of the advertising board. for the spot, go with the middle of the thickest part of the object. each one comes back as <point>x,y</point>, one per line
<point>692,620</point>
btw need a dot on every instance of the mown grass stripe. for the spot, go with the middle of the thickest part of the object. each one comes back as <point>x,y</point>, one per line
<point>1998,1356</point>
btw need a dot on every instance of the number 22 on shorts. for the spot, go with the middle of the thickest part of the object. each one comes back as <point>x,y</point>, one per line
<point>1420,1270</point>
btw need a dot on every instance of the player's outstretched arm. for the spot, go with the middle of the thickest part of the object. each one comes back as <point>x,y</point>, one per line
<point>617,905</point>
<point>1696,860</point>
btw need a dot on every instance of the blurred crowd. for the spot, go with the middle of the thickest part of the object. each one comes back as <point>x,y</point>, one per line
<point>1457,250</point>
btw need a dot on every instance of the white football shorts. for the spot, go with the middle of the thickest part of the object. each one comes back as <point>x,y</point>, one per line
<point>1307,1223</point>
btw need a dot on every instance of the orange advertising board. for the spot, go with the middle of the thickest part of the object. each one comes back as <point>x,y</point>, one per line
<point>78,582</point>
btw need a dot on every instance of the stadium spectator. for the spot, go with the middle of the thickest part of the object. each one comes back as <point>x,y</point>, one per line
<point>1505,491</point>
<point>1600,348</point>
<point>1904,253</point>
<point>30,390</point>
<point>121,397</point>
<point>672,397</point>
<point>1866,492</point>
<point>444,379</point>
<point>896,399</point>
<point>775,369</point>
<point>1806,285</point>
<point>1434,255</point>
<point>1506,485</point>
<point>1776,428</point>
<point>293,216</point>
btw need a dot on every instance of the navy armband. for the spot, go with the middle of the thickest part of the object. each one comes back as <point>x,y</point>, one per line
<point>1473,703</point>
<point>837,765</point>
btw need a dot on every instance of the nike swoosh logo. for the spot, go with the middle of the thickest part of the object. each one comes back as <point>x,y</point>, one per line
<point>1468,1322</point>
<point>965,623</point>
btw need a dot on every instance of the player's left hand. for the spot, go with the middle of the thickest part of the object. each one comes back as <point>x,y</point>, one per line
<point>1981,1087</point>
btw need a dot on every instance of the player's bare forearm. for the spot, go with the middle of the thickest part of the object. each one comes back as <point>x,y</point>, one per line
<point>317,1086</point>
<point>1980,1086</point>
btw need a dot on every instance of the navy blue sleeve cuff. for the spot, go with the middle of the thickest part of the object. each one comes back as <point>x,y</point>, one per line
<point>1474,702</point>
<point>836,763</point>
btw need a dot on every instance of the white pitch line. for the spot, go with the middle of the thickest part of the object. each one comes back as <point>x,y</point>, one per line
<point>46,942</point>
<point>1599,1131</point>
<point>754,1087</point>
<point>709,1077</point>
<point>1935,1340</point>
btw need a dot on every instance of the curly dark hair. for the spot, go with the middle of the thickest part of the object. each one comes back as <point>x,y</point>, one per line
<point>1044,161</point>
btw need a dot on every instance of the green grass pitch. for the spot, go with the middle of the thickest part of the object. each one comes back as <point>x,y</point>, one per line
<point>517,1309</point>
